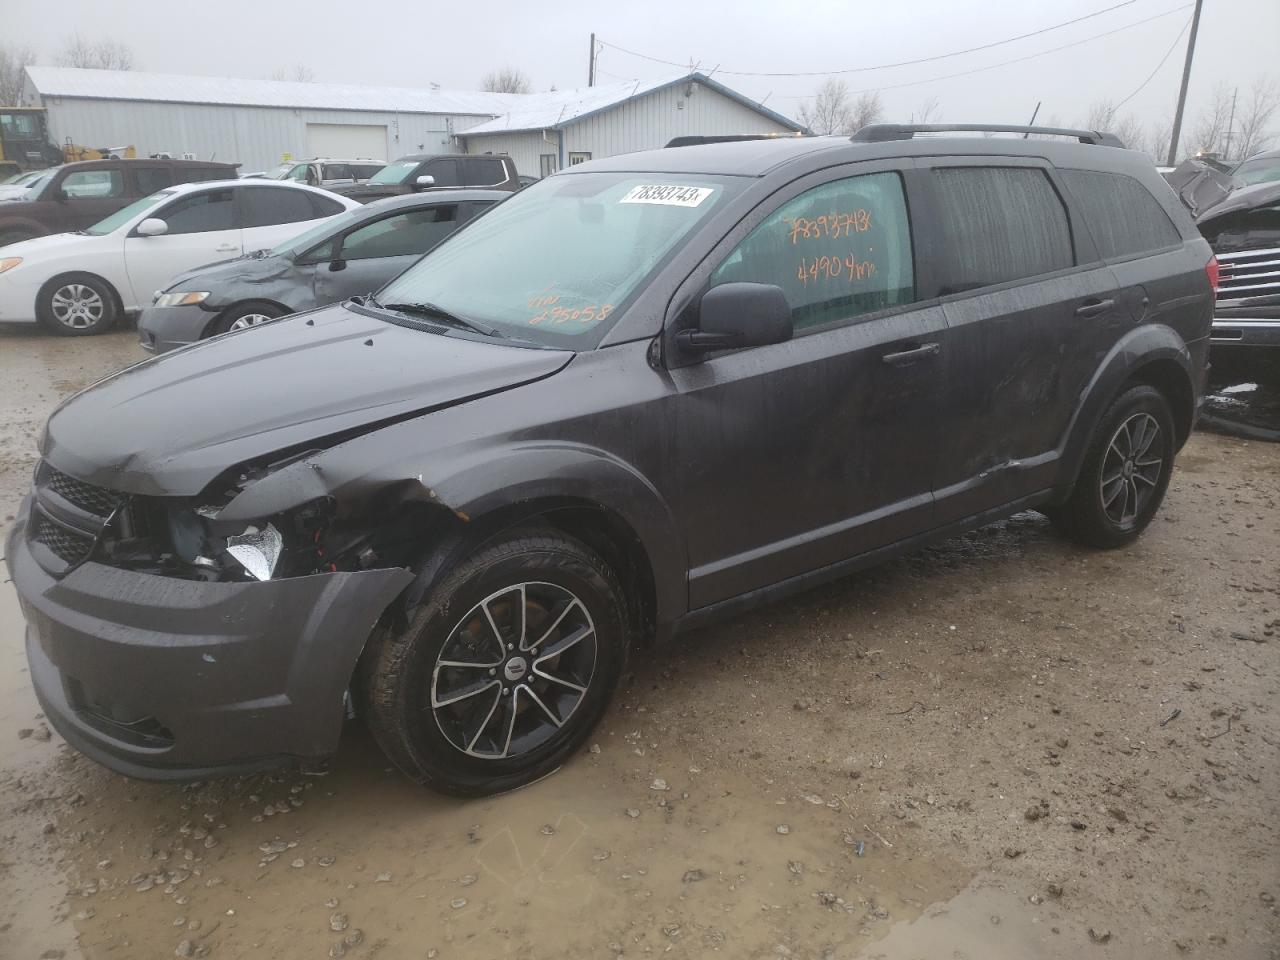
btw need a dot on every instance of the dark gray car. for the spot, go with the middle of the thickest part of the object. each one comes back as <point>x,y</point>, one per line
<point>642,394</point>
<point>352,254</point>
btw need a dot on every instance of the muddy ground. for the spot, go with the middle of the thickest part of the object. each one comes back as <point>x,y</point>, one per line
<point>961,754</point>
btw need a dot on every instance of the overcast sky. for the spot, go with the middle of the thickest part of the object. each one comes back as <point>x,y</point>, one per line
<point>411,43</point>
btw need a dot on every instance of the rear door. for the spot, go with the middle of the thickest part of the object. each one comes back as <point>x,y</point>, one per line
<point>149,178</point>
<point>273,213</point>
<point>203,228</point>
<point>1030,311</point>
<point>371,254</point>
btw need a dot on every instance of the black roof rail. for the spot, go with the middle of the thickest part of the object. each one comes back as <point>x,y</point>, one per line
<point>884,132</point>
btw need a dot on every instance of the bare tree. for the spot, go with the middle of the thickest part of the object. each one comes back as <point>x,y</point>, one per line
<point>299,73</point>
<point>1157,142</point>
<point>1210,131</point>
<point>1254,112</point>
<point>1102,115</point>
<point>830,110</point>
<point>95,54</point>
<point>867,109</point>
<point>929,111</point>
<point>506,80</point>
<point>13,65</point>
<point>1130,131</point>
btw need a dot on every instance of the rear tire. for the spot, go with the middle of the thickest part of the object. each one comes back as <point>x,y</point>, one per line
<point>482,693</point>
<point>1125,473</point>
<point>251,313</point>
<point>76,305</point>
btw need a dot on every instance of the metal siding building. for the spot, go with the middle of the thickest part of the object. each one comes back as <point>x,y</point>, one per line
<point>256,123</point>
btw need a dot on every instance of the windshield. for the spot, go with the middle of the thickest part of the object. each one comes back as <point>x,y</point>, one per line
<point>555,262</point>
<point>278,172</point>
<point>304,241</point>
<point>1257,170</point>
<point>396,172</point>
<point>121,217</point>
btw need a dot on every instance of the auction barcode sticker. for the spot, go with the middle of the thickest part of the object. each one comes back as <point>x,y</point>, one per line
<point>668,195</point>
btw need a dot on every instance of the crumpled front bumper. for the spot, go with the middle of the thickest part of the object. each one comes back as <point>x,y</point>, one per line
<point>169,679</point>
<point>161,329</point>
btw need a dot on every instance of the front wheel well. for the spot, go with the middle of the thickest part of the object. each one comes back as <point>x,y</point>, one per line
<point>61,278</point>
<point>1172,381</point>
<point>211,327</point>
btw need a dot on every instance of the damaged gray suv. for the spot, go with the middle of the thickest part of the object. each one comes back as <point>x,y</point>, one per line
<point>642,394</point>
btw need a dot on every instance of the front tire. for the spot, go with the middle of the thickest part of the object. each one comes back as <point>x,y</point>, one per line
<point>1125,473</point>
<point>76,305</point>
<point>504,669</point>
<point>244,315</point>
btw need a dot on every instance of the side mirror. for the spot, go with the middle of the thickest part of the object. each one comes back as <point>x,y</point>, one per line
<point>736,315</point>
<point>152,227</point>
<point>336,265</point>
<point>425,181</point>
<point>58,195</point>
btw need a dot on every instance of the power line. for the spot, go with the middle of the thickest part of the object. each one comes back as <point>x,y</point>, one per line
<point>882,66</point>
<point>1166,56</point>
<point>1005,63</point>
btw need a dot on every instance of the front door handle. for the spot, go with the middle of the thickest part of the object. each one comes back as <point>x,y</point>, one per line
<point>1094,308</point>
<point>911,354</point>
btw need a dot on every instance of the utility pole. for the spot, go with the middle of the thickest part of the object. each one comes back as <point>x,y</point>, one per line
<point>1226,148</point>
<point>1186,78</point>
<point>591,63</point>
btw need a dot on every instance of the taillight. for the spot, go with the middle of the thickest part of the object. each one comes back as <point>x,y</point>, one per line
<point>1211,269</point>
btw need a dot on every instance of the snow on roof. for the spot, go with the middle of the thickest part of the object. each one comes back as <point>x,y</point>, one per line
<point>544,111</point>
<point>177,88</point>
<point>511,111</point>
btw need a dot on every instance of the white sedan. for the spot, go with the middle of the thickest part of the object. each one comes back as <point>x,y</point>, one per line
<point>80,283</point>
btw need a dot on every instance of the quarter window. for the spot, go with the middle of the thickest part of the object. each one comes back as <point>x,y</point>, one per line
<point>1000,224</point>
<point>93,183</point>
<point>837,251</point>
<point>201,213</point>
<point>267,206</point>
<point>406,234</point>
<point>1123,217</point>
<point>486,173</point>
<point>152,179</point>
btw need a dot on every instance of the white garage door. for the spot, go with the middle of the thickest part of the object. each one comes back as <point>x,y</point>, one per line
<point>347,141</point>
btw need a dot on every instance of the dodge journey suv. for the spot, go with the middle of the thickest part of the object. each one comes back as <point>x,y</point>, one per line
<point>644,393</point>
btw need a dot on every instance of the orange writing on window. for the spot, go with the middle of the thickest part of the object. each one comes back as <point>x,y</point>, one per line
<point>830,226</point>
<point>555,315</point>
<point>834,268</point>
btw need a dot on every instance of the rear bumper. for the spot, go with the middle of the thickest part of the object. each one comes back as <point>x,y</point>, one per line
<point>168,679</point>
<point>1237,334</point>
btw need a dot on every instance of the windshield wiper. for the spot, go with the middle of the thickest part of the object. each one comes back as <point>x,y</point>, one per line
<point>432,311</point>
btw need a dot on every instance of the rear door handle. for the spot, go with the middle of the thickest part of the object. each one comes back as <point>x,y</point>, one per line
<point>903,357</point>
<point>1094,308</point>
<point>226,248</point>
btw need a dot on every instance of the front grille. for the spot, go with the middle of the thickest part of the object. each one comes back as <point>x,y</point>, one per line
<point>1248,277</point>
<point>66,545</point>
<point>86,496</point>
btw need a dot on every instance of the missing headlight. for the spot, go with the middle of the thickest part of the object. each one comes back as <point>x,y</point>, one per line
<point>258,551</point>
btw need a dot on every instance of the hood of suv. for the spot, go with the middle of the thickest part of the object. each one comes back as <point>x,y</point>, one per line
<point>170,425</point>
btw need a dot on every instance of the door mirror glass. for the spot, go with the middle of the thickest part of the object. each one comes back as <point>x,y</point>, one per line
<point>736,315</point>
<point>425,181</point>
<point>152,227</point>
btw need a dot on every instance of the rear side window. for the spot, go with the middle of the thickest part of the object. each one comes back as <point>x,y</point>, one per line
<point>152,179</point>
<point>837,251</point>
<point>1000,224</point>
<point>403,235</point>
<point>324,206</point>
<point>267,206</point>
<point>201,212</point>
<point>483,172</point>
<point>1123,217</point>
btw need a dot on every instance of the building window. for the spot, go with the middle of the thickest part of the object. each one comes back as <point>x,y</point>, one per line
<point>580,157</point>
<point>548,164</point>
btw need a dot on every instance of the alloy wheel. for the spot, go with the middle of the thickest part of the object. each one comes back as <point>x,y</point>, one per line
<point>77,306</point>
<point>514,670</point>
<point>249,320</point>
<point>1131,468</point>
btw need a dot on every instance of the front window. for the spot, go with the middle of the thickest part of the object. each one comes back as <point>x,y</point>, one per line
<point>298,173</point>
<point>307,239</point>
<point>93,183</point>
<point>557,263</point>
<point>121,217</point>
<point>397,172</point>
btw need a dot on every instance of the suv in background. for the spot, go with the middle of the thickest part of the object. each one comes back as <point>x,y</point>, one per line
<point>322,173</point>
<point>739,371</point>
<point>78,195</point>
<point>435,171</point>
